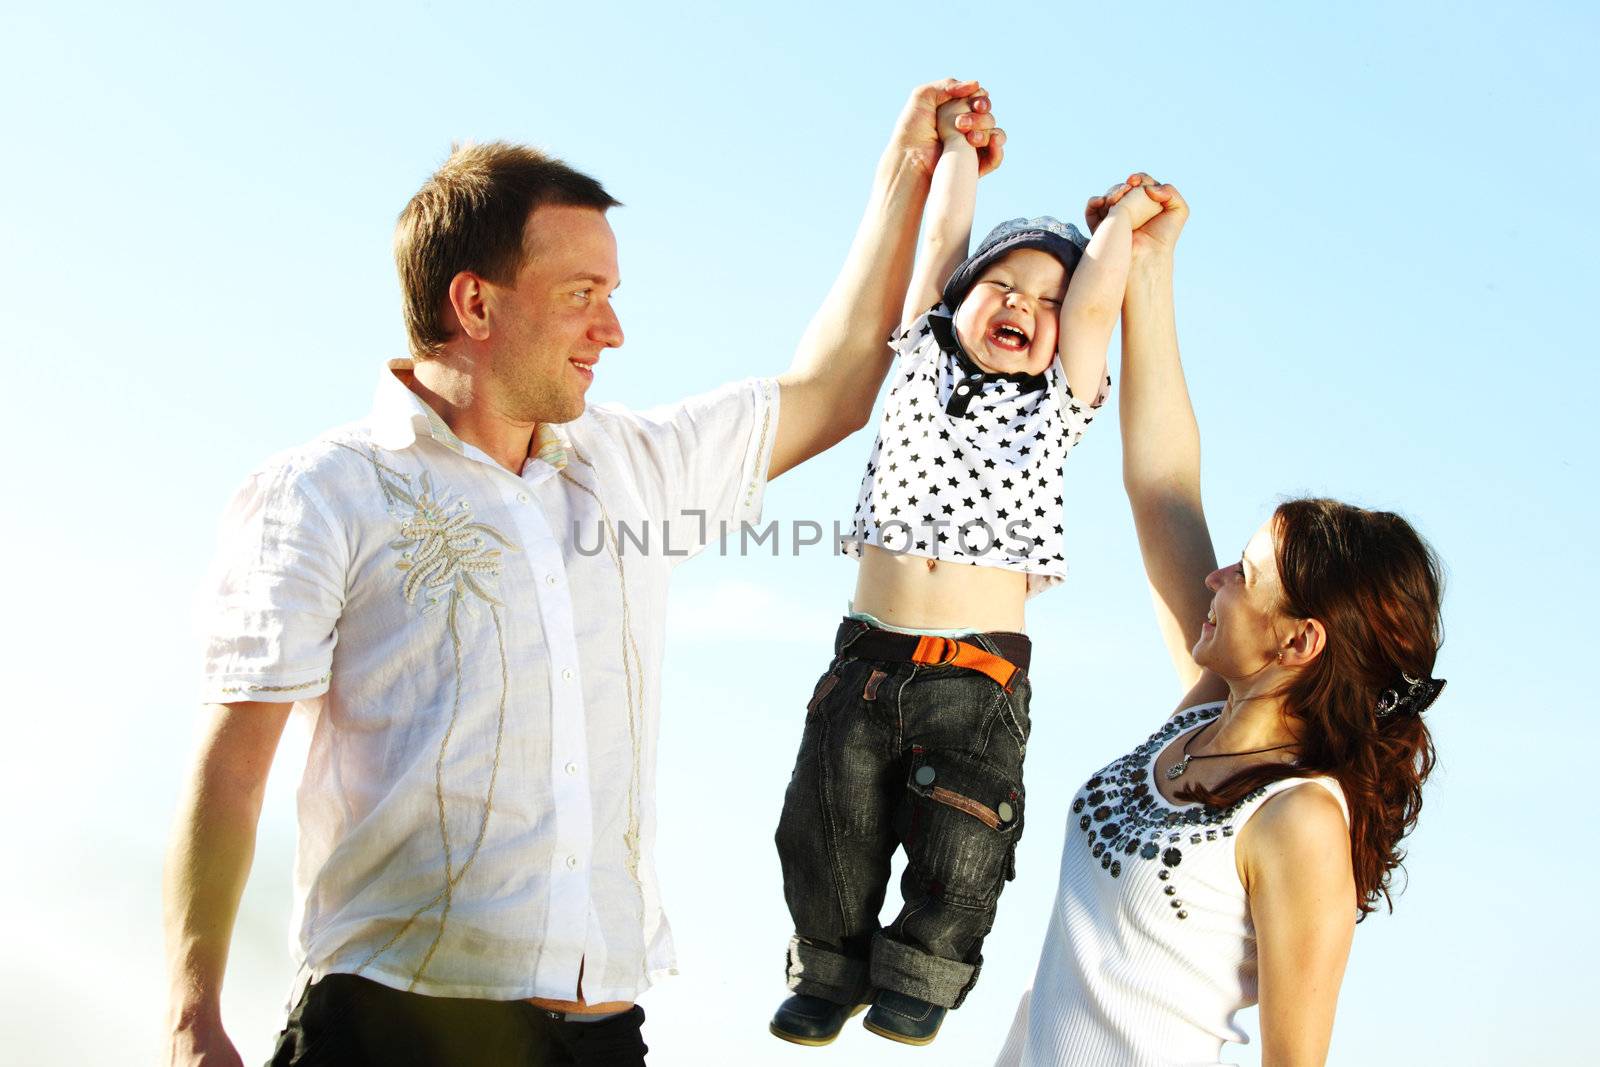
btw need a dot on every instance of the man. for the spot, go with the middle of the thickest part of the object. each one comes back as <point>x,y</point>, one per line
<point>474,881</point>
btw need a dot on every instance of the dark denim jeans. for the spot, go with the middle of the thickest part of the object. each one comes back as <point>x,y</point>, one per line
<point>894,754</point>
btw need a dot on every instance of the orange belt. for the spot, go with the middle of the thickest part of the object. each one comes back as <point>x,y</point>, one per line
<point>948,652</point>
<point>856,638</point>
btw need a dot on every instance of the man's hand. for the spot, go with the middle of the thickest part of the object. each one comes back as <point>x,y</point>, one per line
<point>1158,234</point>
<point>202,1046</point>
<point>206,868</point>
<point>917,133</point>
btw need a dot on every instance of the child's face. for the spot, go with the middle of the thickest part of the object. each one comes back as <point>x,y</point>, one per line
<point>1009,320</point>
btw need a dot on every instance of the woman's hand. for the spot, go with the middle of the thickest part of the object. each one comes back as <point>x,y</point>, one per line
<point>918,132</point>
<point>1157,237</point>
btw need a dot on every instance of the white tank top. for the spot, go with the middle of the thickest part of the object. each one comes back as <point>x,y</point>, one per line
<point>1150,952</point>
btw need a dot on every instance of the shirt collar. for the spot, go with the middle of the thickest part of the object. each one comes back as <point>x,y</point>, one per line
<point>551,445</point>
<point>399,416</point>
<point>941,320</point>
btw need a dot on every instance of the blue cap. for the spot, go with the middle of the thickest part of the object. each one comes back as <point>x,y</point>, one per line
<point>1061,239</point>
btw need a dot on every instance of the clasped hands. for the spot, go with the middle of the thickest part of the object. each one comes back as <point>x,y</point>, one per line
<point>955,115</point>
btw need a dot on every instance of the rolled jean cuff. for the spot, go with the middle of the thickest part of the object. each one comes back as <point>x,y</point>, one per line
<point>918,974</point>
<point>821,972</point>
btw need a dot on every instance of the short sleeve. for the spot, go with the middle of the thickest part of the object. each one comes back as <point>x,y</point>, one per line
<point>270,608</point>
<point>900,338</point>
<point>938,321</point>
<point>1075,414</point>
<point>703,462</point>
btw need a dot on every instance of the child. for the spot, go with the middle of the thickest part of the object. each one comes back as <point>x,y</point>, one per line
<point>915,735</point>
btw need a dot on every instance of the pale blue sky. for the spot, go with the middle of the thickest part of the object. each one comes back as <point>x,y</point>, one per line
<point>1384,295</point>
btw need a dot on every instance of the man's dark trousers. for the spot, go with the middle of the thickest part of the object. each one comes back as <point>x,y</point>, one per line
<point>346,1021</point>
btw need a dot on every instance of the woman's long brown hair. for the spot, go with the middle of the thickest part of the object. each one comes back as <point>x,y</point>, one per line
<point>1375,586</point>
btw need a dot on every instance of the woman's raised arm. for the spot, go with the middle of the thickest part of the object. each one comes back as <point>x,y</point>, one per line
<point>1161,440</point>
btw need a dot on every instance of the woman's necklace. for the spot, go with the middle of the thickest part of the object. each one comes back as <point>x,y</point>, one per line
<point>1176,770</point>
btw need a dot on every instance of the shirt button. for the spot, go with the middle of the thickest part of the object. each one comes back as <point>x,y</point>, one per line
<point>551,579</point>
<point>963,391</point>
<point>567,674</point>
<point>522,498</point>
<point>572,768</point>
<point>572,863</point>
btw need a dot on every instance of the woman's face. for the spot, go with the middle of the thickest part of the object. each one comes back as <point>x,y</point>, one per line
<point>1244,631</point>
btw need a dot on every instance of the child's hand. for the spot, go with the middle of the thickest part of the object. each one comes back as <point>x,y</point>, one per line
<point>967,124</point>
<point>954,122</point>
<point>1135,205</point>
<point>917,131</point>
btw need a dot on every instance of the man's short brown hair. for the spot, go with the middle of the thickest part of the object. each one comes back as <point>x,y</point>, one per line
<point>470,216</point>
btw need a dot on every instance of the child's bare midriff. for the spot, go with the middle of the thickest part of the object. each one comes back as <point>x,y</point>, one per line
<point>902,589</point>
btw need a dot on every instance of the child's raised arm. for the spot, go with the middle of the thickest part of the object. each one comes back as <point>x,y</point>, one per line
<point>1094,294</point>
<point>948,218</point>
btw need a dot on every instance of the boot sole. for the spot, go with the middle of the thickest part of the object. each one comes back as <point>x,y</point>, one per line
<point>902,1038</point>
<point>814,1042</point>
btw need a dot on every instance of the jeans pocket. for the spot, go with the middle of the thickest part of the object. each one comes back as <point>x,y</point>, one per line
<point>960,824</point>
<point>820,693</point>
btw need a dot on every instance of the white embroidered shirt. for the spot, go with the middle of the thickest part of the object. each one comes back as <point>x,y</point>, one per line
<point>480,656</point>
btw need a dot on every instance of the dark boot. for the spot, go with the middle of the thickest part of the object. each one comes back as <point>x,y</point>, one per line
<point>905,1019</point>
<point>807,1020</point>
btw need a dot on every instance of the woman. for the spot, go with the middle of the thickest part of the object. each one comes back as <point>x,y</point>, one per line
<point>1227,859</point>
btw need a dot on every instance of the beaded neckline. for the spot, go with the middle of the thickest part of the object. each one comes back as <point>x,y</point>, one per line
<point>1124,818</point>
<point>1203,714</point>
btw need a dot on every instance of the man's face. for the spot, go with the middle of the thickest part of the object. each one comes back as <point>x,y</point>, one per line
<point>551,324</point>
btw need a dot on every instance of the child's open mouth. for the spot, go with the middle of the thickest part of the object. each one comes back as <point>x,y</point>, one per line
<point>1008,337</point>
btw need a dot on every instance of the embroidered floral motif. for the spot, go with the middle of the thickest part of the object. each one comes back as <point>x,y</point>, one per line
<point>441,547</point>
<point>448,560</point>
<point>1122,816</point>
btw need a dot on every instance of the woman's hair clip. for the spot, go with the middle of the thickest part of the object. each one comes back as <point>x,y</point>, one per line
<point>1412,696</point>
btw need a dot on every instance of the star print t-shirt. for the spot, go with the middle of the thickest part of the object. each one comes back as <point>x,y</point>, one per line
<point>967,466</point>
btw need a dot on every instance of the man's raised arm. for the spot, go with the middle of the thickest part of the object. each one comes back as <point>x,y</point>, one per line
<point>829,390</point>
